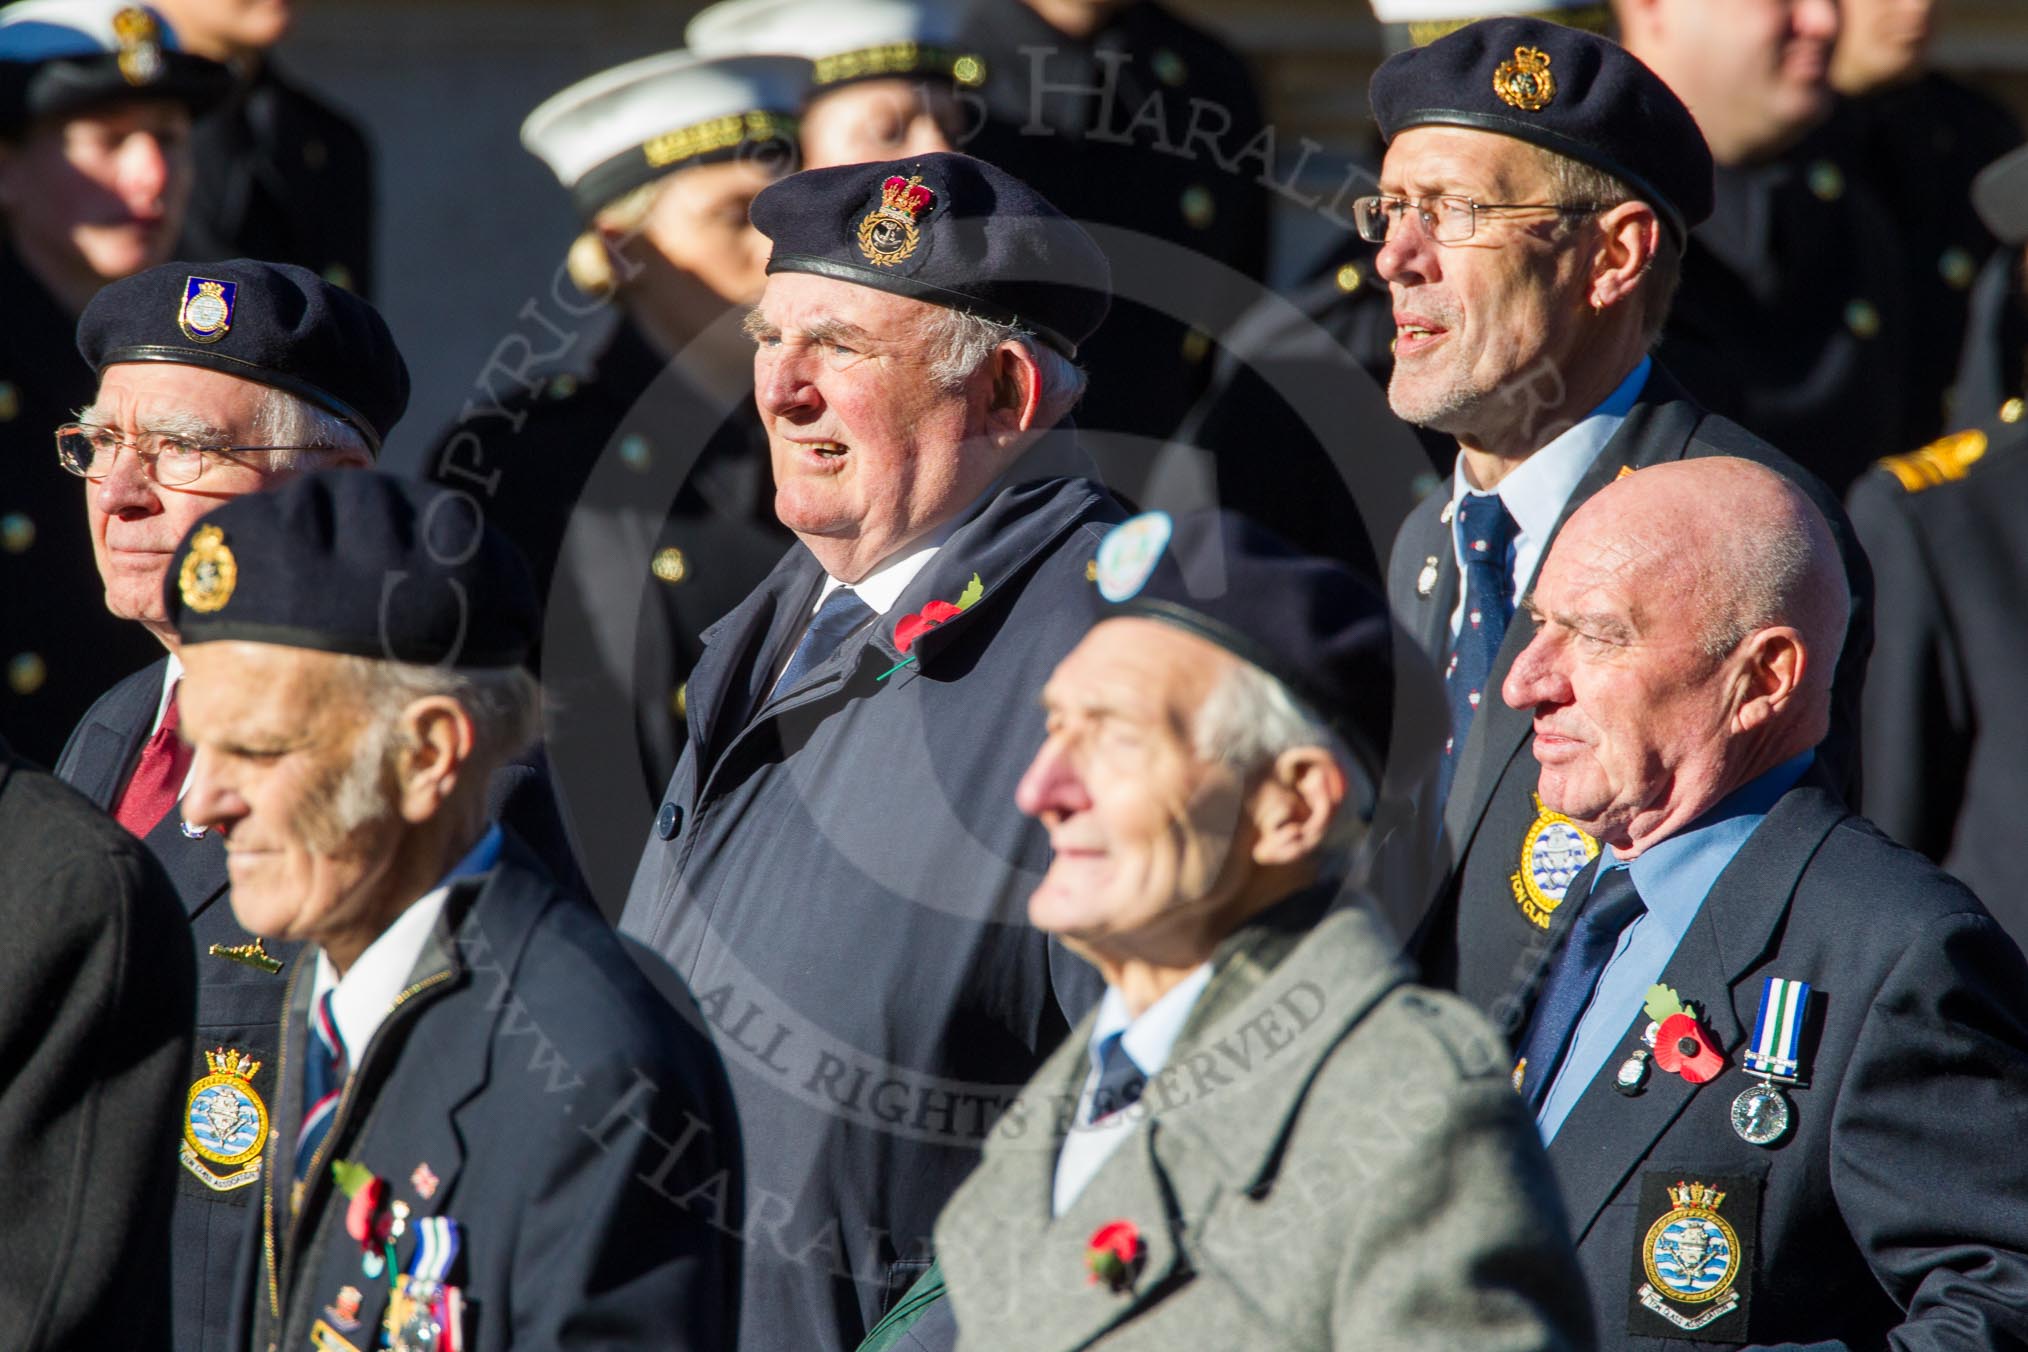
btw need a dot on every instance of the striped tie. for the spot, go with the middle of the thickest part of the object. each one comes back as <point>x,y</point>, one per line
<point>323,1083</point>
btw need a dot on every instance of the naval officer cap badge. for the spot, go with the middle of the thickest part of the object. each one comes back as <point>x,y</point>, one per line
<point>1693,1268</point>
<point>209,572</point>
<point>225,1123</point>
<point>888,233</point>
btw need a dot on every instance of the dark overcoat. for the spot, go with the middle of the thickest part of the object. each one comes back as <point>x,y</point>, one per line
<point>840,874</point>
<point>97,991</point>
<point>530,1084</point>
<point>1501,860</point>
<point>1894,1213</point>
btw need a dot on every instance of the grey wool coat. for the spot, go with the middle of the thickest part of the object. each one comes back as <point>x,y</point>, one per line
<point>1331,1158</point>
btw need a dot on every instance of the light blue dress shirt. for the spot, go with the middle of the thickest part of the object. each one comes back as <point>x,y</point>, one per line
<point>1149,1040</point>
<point>1540,486</point>
<point>1673,879</point>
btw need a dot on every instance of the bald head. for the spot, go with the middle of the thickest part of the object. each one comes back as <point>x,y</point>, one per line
<point>1689,618</point>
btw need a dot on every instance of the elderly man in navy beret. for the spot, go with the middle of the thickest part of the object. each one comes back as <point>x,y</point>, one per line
<point>1538,187</point>
<point>1263,1114</point>
<point>216,380</point>
<point>479,1084</point>
<point>837,867</point>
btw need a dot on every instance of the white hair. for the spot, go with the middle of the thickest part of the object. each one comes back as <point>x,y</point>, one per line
<point>505,707</point>
<point>1250,718</point>
<point>962,343</point>
<point>283,419</point>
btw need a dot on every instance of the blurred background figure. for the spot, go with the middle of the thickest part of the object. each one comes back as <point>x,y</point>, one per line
<point>95,106</point>
<point>1125,114</point>
<point>1946,737</point>
<point>281,175</point>
<point>885,74</point>
<point>1796,315</point>
<point>640,492</point>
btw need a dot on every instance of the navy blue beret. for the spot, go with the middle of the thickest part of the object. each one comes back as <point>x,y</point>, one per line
<point>61,58</point>
<point>274,323</point>
<point>1563,89</point>
<point>359,562</point>
<point>1311,623</point>
<point>946,229</point>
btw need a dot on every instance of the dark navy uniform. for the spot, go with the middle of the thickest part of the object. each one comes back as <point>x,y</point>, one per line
<point>1103,127</point>
<point>665,501</point>
<point>1946,737</point>
<point>1894,1210</point>
<point>281,175</point>
<point>60,646</point>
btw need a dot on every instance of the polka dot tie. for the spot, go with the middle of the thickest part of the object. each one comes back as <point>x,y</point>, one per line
<point>1486,535</point>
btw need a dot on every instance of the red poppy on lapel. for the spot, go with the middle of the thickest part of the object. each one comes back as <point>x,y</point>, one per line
<point>1114,1254</point>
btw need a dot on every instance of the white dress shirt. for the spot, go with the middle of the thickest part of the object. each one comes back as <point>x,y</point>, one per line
<point>1149,1040</point>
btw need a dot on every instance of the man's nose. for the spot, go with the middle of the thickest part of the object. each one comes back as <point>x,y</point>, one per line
<point>1051,783</point>
<point>144,170</point>
<point>208,802</point>
<point>1409,254</point>
<point>1533,679</point>
<point>781,380</point>
<point>126,487</point>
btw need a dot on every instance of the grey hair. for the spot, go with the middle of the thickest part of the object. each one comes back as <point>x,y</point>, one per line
<point>1250,717</point>
<point>1769,574</point>
<point>505,707</point>
<point>1576,183</point>
<point>284,419</point>
<point>962,343</point>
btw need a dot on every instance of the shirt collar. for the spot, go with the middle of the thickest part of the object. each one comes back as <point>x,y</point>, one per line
<point>1674,876</point>
<point>1537,489</point>
<point>1149,1038</point>
<point>883,587</point>
<point>367,991</point>
<point>171,674</point>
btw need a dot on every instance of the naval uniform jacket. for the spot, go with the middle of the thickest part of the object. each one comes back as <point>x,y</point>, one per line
<point>1946,727</point>
<point>97,989</point>
<point>1894,1213</point>
<point>239,1004</point>
<point>1501,860</point>
<point>1331,1158</point>
<point>530,1084</point>
<point>840,874</point>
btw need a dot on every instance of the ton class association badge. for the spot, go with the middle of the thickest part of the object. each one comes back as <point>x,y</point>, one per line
<point>1554,850</point>
<point>206,313</point>
<point>225,1123</point>
<point>889,233</point>
<point>1693,1271</point>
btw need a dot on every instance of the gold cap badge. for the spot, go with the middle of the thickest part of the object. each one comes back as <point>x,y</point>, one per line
<point>140,42</point>
<point>209,572</point>
<point>888,233</point>
<point>1525,82</point>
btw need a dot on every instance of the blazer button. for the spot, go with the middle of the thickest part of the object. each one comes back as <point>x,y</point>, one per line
<point>668,821</point>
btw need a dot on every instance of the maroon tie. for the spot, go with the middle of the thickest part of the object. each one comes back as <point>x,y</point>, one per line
<point>157,781</point>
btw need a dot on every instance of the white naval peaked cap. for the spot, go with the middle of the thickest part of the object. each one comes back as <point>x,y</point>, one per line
<point>845,39</point>
<point>609,134</point>
<point>46,30</point>
<point>1438,11</point>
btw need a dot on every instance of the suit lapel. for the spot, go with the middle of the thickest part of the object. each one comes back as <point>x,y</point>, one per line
<point>1607,1135</point>
<point>197,867</point>
<point>109,739</point>
<point>733,669</point>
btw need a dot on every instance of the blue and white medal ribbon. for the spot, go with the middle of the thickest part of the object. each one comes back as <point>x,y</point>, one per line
<point>1778,1030</point>
<point>436,1249</point>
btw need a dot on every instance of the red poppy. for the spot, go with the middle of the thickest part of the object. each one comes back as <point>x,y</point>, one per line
<point>1685,1049</point>
<point>1114,1253</point>
<point>365,1220</point>
<point>913,627</point>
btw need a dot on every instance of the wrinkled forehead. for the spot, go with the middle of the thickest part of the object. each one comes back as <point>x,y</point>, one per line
<point>1432,160</point>
<point>797,301</point>
<point>1135,664</point>
<point>234,686</point>
<point>140,393</point>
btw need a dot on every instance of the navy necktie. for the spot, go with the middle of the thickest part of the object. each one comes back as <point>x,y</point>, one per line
<point>323,1082</point>
<point>841,613</point>
<point>1613,905</point>
<point>1488,533</point>
<point>1120,1080</point>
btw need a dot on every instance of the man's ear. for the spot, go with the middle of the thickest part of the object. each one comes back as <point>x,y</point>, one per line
<point>1017,390</point>
<point>1630,235</point>
<point>437,738</point>
<point>1297,800</point>
<point>1772,665</point>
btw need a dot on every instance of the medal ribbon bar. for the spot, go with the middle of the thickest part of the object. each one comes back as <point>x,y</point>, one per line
<point>1778,1029</point>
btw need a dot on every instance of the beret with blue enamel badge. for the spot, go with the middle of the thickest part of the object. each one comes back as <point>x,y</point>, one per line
<point>61,58</point>
<point>946,229</point>
<point>1311,623</point>
<point>1563,89</point>
<point>846,40</point>
<point>273,323</point>
<point>358,562</point>
<point>626,127</point>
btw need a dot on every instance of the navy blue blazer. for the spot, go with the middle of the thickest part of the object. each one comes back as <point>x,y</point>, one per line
<point>1895,1209</point>
<point>239,1003</point>
<point>530,1084</point>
